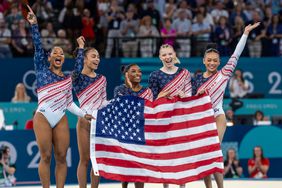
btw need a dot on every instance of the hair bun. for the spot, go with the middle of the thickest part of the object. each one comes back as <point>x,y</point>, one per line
<point>123,69</point>
<point>211,46</point>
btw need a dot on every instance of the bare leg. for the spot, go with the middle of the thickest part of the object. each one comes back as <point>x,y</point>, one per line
<point>166,185</point>
<point>221,126</point>
<point>208,182</point>
<point>124,184</point>
<point>219,179</point>
<point>95,180</point>
<point>61,141</point>
<point>83,141</point>
<point>43,133</point>
<point>139,185</point>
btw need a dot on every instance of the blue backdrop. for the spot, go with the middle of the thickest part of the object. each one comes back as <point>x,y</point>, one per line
<point>264,74</point>
<point>242,138</point>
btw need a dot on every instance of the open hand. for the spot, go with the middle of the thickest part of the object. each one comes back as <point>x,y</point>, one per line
<point>250,27</point>
<point>127,81</point>
<point>31,18</point>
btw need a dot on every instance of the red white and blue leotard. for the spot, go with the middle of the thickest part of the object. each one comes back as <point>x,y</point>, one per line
<point>91,92</point>
<point>54,91</point>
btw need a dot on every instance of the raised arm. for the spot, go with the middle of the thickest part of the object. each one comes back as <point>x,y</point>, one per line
<point>241,44</point>
<point>228,69</point>
<point>39,56</point>
<point>79,57</point>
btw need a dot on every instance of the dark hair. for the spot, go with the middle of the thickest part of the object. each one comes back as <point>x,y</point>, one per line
<point>85,51</point>
<point>241,77</point>
<point>259,112</point>
<point>211,47</point>
<point>125,68</point>
<point>227,155</point>
<point>254,156</point>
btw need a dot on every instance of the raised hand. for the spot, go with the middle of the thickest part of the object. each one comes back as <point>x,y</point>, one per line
<point>127,81</point>
<point>250,27</point>
<point>31,18</point>
<point>80,41</point>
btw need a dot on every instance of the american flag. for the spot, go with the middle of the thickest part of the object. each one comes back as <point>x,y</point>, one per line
<point>165,141</point>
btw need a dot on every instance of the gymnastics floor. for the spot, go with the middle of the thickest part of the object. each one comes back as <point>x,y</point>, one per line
<point>197,184</point>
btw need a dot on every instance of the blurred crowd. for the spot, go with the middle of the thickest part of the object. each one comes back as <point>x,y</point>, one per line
<point>136,28</point>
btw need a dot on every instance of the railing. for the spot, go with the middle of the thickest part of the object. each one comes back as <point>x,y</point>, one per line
<point>142,46</point>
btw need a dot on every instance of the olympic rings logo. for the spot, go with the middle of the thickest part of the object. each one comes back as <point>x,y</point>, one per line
<point>29,80</point>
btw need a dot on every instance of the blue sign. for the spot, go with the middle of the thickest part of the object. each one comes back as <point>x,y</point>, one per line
<point>243,139</point>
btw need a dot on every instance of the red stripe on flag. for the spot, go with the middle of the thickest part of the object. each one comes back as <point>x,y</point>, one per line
<point>161,156</point>
<point>180,125</point>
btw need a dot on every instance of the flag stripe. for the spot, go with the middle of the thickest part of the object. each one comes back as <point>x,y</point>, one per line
<point>167,140</point>
<point>164,169</point>
<point>159,156</point>
<point>131,178</point>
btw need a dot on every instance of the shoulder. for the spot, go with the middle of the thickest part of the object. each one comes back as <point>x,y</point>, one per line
<point>155,73</point>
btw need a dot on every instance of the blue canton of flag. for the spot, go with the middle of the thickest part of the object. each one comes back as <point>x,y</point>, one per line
<point>122,119</point>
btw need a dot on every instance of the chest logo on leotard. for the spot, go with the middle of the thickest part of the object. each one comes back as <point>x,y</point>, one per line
<point>216,109</point>
<point>41,110</point>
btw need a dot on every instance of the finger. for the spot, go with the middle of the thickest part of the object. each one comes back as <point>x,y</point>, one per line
<point>29,8</point>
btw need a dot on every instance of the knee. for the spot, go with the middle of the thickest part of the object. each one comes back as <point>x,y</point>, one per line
<point>60,158</point>
<point>46,158</point>
<point>84,160</point>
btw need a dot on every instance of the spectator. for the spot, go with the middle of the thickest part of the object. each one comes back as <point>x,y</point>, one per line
<point>129,30</point>
<point>168,33</point>
<point>219,11</point>
<point>2,121</point>
<point>63,42</point>
<point>207,16</point>
<point>148,45</point>
<point>21,42</point>
<point>48,36</point>
<point>258,166</point>
<point>232,167</point>
<point>274,34</point>
<point>201,33</point>
<point>88,27</point>
<point>183,6</point>
<point>238,11</point>
<point>5,40</point>
<point>29,123</point>
<point>14,17</point>
<point>229,117</point>
<point>7,170</point>
<point>170,9</point>
<point>238,86</point>
<point>255,39</point>
<point>237,31</point>
<point>222,36</point>
<point>114,18</point>
<point>153,12</point>
<point>43,9</point>
<point>20,94</point>
<point>259,118</point>
<point>183,27</point>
